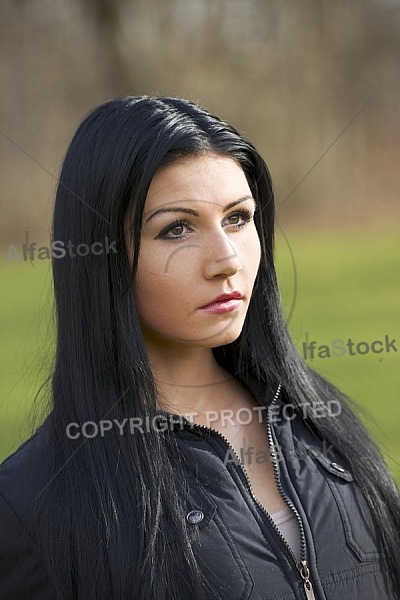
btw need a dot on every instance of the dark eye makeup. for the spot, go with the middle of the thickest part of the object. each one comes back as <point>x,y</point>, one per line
<point>165,234</point>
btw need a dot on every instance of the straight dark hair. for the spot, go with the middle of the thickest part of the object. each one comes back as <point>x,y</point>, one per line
<point>107,503</point>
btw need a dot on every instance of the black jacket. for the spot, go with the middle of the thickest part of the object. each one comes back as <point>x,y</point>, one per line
<point>238,545</point>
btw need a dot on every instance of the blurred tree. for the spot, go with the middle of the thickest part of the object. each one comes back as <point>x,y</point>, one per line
<point>106,14</point>
<point>291,75</point>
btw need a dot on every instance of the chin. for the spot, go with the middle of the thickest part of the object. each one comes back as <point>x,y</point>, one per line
<point>224,337</point>
<point>213,336</point>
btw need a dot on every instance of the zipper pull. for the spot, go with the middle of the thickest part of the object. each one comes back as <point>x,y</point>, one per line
<point>305,574</point>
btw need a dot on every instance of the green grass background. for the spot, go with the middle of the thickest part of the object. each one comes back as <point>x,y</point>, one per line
<point>336,284</point>
<point>346,284</point>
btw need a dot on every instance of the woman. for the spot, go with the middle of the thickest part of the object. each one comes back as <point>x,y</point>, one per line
<point>189,451</point>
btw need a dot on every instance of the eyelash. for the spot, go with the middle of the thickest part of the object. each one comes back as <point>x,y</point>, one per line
<point>245,214</point>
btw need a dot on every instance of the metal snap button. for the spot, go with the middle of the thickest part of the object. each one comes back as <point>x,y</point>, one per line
<point>337,467</point>
<point>195,516</point>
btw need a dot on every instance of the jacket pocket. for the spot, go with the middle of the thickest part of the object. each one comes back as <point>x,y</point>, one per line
<point>360,529</point>
<point>214,547</point>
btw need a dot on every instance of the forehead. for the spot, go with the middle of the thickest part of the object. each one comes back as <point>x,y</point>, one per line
<point>208,178</point>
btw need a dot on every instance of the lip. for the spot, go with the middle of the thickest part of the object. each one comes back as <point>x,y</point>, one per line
<point>223,302</point>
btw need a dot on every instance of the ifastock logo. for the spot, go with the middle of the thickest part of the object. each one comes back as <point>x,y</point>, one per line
<point>339,348</point>
<point>58,249</point>
<point>276,453</point>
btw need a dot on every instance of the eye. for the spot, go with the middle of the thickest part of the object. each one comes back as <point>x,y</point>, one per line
<point>240,218</point>
<point>175,231</point>
<point>234,219</point>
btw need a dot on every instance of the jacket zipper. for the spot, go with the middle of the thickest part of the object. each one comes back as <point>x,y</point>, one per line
<point>301,565</point>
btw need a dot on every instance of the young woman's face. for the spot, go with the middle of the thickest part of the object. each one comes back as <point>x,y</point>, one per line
<point>198,241</point>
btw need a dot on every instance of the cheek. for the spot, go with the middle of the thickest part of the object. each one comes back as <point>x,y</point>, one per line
<point>148,288</point>
<point>171,263</point>
<point>252,253</point>
<point>155,301</point>
<point>157,289</point>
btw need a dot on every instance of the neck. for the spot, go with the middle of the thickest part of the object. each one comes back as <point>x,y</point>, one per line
<point>189,379</point>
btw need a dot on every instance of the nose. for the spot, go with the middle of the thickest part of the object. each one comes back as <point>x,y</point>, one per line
<point>220,257</point>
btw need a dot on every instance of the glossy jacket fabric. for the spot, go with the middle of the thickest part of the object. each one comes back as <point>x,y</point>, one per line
<point>237,545</point>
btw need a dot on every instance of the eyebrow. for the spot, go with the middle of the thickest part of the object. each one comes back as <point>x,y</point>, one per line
<point>191,211</point>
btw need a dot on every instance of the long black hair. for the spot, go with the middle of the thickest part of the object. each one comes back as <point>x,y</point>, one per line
<point>105,501</point>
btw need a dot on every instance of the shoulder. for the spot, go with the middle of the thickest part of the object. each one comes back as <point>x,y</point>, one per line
<point>22,572</point>
<point>20,472</point>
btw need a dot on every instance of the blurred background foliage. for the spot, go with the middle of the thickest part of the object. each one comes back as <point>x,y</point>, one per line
<point>313,84</point>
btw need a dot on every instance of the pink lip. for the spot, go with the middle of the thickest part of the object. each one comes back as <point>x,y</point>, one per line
<point>223,303</point>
